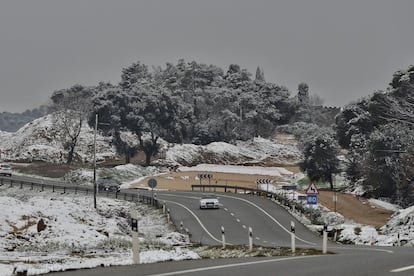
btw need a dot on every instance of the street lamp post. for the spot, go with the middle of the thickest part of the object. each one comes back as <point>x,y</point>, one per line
<point>94,161</point>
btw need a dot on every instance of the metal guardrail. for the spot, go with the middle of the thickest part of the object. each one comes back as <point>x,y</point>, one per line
<point>258,192</point>
<point>79,189</point>
<point>228,188</point>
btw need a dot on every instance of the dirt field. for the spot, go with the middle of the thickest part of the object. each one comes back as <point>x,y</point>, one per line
<point>357,209</point>
<point>351,207</point>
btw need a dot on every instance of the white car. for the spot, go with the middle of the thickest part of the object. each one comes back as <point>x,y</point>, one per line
<point>5,170</point>
<point>209,202</point>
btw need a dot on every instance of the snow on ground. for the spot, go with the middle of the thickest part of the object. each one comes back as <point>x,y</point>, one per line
<point>41,140</point>
<point>75,235</point>
<point>396,231</point>
<point>256,151</point>
<point>257,170</point>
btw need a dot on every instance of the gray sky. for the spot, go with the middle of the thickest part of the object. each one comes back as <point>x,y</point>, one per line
<point>342,49</point>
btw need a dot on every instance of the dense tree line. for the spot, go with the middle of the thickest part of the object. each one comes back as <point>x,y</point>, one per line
<point>195,103</point>
<point>13,121</point>
<point>378,133</point>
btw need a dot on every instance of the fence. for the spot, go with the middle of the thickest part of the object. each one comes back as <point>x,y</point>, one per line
<point>282,200</point>
<point>65,188</point>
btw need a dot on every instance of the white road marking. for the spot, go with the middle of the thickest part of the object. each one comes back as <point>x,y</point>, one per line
<point>401,269</point>
<point>244,226</point>
<point>193,197</point>
<point>225,209</point>
<point>198,220</point>
<point>272,218</point>
<point>232,214</point>
<point>238,220</point>
<point>230,265</point>
<point>257,238</point>
<point>363,249</point>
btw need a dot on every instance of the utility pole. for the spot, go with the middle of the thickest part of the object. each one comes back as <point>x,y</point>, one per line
<point>94,161</point>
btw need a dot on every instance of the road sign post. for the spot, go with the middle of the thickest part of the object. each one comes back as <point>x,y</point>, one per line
<point>207,176</point>
<point>152,183</point>
<point>266,181</point>
<point>312,194</point>
<point>292,236</point>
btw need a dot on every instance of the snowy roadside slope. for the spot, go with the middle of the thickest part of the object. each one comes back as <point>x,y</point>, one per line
<point>77,236</point>
<point>40,140</point>
<point>258,151</point>
<point>257,170</point>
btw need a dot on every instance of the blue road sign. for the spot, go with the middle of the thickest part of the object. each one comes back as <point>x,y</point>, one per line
<point>312,199</point>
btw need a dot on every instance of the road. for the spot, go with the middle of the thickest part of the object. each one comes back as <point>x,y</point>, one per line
<point>269,222</point>
<point>271,227</point>
<point>360,261</point>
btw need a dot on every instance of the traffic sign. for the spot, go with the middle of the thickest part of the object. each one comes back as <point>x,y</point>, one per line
<point>312,199</point>
<point>205,175</point>
<point>264,181</point>
<point>289,187</point>
<point>302,197</point>
<point>152,183</point>
<point>312,189</point>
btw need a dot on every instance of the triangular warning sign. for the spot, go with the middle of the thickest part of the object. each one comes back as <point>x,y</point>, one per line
<point>312,189</point>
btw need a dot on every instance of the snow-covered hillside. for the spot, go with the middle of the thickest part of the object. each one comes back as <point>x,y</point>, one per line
<point>41,140</point>
<point>258,151</point>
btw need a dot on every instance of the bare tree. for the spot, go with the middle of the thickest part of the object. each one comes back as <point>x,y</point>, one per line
<point>71,108</point>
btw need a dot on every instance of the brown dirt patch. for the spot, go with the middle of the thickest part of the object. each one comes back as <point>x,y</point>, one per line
<point>355,208</point>
<point>183,180</point>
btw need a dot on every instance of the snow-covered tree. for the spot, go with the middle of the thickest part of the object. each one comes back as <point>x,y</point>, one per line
<point>320,153</point>
<point>260,78</point>
<point>71,110</point>
<point>137,73</point>
<point>303,94</point>
<point>112,106</point>
<point>389,163</point>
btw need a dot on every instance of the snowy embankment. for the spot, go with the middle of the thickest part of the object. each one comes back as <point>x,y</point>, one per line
<point>397,231</point>
<point>268,171</point>
<point>257,151</point>
<point>43,231</point>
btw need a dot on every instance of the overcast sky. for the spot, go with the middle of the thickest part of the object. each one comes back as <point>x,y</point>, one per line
<point>343,49</point>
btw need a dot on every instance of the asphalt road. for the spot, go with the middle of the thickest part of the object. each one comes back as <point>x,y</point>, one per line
<point>269,222</point>
<point>361,261</point>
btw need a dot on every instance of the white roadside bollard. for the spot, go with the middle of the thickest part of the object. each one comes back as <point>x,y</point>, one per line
<point>325,239</point>
<point>250,239</point>
<point>223,237</point>
<point>292,236</point>
<point>135,240</point>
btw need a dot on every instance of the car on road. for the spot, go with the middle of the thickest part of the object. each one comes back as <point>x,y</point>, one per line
<point>209,201</point>
<point>5,169</point>
<point>108,184</point>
